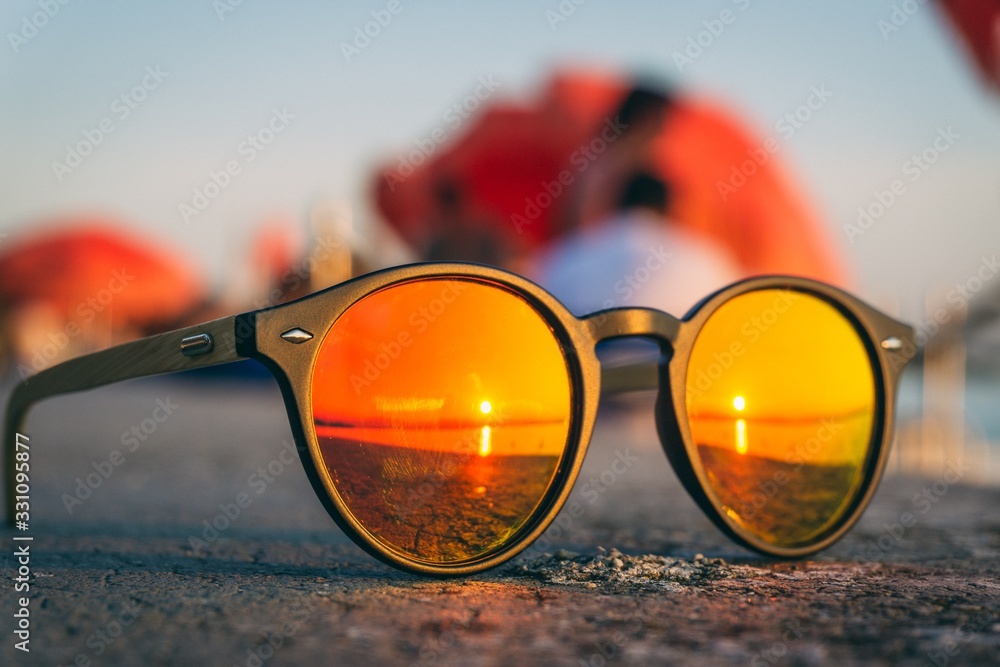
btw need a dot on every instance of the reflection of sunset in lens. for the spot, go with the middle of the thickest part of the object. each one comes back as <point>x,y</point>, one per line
<point>484,441</point>
<point>780,403</point>
<point>741,436</point>
<point>442,409</point>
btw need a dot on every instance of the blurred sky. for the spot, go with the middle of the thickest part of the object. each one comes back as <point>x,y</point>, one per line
<point>890,97</point>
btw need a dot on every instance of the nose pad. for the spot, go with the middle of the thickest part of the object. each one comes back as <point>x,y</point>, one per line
<point>667,419</point>
<point>669,431</point>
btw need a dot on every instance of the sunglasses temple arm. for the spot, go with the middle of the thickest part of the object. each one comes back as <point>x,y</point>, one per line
<point>197,346</point>
<point>637,376</point>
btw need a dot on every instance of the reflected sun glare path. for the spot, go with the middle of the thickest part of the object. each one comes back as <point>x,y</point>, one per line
<point>740,404</point>
<point>484,441</point>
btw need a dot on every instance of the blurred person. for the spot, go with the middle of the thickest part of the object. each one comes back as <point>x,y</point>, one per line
<point>538,168</point>
<point>636,256</point>
<point>627,136</point>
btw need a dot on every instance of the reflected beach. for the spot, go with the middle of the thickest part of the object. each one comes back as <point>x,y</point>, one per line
<point>442,503</point>
<point>784,480</point>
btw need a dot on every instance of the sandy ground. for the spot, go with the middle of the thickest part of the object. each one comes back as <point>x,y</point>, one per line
<point>641,577</point>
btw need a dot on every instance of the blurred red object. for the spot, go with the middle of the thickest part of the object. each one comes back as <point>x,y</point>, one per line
<point>502,162</point>
<point>978,22</point>
<point>510,160</point>
<point>75,263</point>
<point>84,283</point>
<point>274,249</point>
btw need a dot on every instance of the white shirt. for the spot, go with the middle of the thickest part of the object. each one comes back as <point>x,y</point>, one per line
<point>634,259</point>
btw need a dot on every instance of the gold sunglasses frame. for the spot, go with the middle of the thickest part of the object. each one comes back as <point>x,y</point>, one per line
<point>287,340</point>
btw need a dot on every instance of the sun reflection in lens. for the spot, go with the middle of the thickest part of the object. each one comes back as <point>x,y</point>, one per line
<point>451,449</point>
<point>741,436</point>
<point>740,404</point>
<point>485,433</point>
<point>781,387</point>
<point>484,441</point>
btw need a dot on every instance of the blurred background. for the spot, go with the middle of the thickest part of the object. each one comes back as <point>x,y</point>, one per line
<point>164,164</point>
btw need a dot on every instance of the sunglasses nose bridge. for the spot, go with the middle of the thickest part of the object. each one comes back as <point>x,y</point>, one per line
<point>626,322</point>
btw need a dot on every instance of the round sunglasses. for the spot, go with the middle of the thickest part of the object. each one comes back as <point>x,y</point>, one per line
<point>442,412</point>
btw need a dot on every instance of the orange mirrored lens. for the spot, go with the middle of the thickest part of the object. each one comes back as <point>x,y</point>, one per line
<point>442,408</point>
<point>780,402</point>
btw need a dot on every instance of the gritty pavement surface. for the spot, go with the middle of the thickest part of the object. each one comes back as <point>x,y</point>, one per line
<point>131,574</point>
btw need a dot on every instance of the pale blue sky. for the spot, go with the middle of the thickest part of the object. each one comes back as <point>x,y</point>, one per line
<point>890,97</point>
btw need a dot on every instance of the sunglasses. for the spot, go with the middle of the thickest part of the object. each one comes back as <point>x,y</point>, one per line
<point>442,412</point>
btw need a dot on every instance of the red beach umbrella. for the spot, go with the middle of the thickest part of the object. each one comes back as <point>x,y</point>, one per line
<point>87,268</point>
